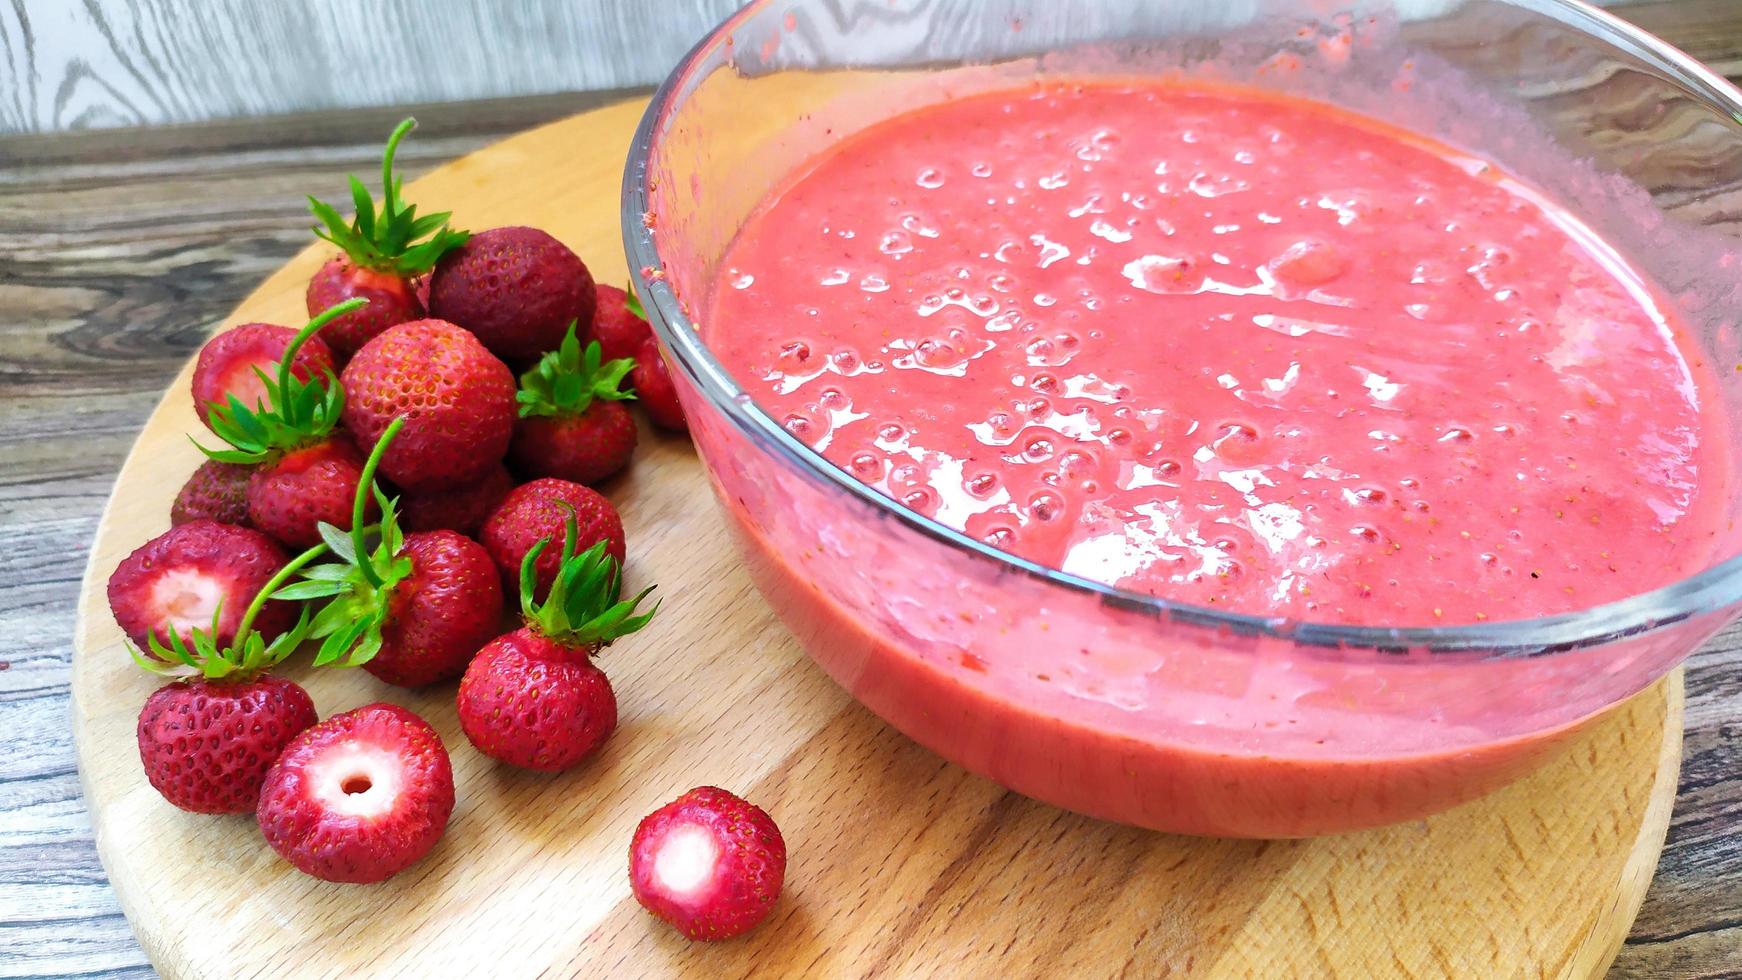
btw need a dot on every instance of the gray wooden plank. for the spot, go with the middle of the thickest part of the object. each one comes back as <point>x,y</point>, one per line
<point>67,65</point>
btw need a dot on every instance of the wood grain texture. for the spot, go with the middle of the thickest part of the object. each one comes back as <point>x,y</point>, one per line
<point>67,65</point>
<point>902,864</point>
<point>119,249</point>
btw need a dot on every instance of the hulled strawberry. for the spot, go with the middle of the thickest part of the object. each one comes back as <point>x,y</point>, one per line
<point>461,510</point>
<point>708,863</point>
<point>206,741</point>
<point>198,575</point>
<point>517,288</point>
<point>359,797</point>
<point>457,399</point>
<point>382,251</point>
<point>539,510</point>
<point>619,323</point>
<point>533,698</point>
<point>304,471</point>
<point>572,421</point>
<point>655,389</point>
<point>216,492</point>
<point>413,609</point>
<point>241,362</point>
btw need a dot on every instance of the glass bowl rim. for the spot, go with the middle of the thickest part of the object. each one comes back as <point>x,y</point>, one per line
<point>1709,590</point>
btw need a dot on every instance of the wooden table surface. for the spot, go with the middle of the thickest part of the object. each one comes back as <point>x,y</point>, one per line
<point>118,251</point>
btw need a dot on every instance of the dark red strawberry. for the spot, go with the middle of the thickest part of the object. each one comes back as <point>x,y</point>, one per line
<point>457,399</point>
<point>461,510</point>
<point>231,365</point>
<point>572,421</point>
<point>619,323</point>
<point>216,492</point>
<point>383,250</point>
<point>359,797</point>
<point>413,610</point>
<point>536,511</point>
<point>207,742</point>
<point>708,863</point>
<point>304,471</point>
<point>517,288</point>
<point>199,575</point>
<point>290,495</point>
<point>655,390</point>
<point>533,698</point>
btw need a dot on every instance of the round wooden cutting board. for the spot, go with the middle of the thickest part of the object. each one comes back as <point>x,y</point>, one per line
<point>902,865</point>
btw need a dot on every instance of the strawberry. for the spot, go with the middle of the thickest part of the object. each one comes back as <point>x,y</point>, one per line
<point>198,574</point>
<point>304,472</point>
<point>359,797</point>
<point>216,492</point>
<point>206,745</point>
<point>538,510</point>
<point>655,390</point>
<point>572,423</point>
<point>461,510</point>
<point>290,496</point>
<point>207,742</point>
<point>708,863</point>
<point>382,251</point>
<point>413,610</point>
<point>619,323</point>
<point>457,399</point>
<point>517,288</point>
<point>534,698</point>
<point>241,361</point>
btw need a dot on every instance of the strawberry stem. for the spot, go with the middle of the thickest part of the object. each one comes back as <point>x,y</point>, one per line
<point>272,585</point>
<point>326,316</point>
<point>366,486</point>
<point>390,189</point>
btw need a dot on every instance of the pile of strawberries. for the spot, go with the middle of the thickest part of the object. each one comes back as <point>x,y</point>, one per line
<point>364,492</point>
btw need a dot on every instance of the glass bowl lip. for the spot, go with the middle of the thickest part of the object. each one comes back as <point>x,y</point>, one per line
<point>1707,591</point>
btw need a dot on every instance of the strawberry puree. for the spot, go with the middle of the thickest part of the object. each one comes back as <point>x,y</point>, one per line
<point>1237,351</point>
<point>1234,351</point>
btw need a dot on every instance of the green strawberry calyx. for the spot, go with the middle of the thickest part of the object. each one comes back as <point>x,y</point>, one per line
<point>248,655</point>
<point>391,238</point>
<point>296,412</point>
<point>359,586</point>
<point>567,381</point>
<point>632,302</point>
<point>584,608</point>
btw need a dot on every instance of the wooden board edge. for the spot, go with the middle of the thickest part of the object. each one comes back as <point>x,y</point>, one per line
<point>1608,934</point>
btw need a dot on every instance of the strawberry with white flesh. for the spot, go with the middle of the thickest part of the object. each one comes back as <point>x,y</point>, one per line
<point>305,470</point>
<point>359,797</point>
<point>206,741</point>
<point>534,698</point>
<point>383,250</point>
<point>413,609</point>
<point>196,573</point>
<point>572,421</point>
<point>708,863</point>
<point>241,361</point>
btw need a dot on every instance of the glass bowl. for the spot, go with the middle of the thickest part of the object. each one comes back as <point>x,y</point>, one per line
<point>1123,705</point>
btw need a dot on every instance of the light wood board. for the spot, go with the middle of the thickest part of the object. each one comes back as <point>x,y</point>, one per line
<point>901,864</point>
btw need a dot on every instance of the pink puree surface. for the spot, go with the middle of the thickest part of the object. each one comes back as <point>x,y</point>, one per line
<point>1233,350</point>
